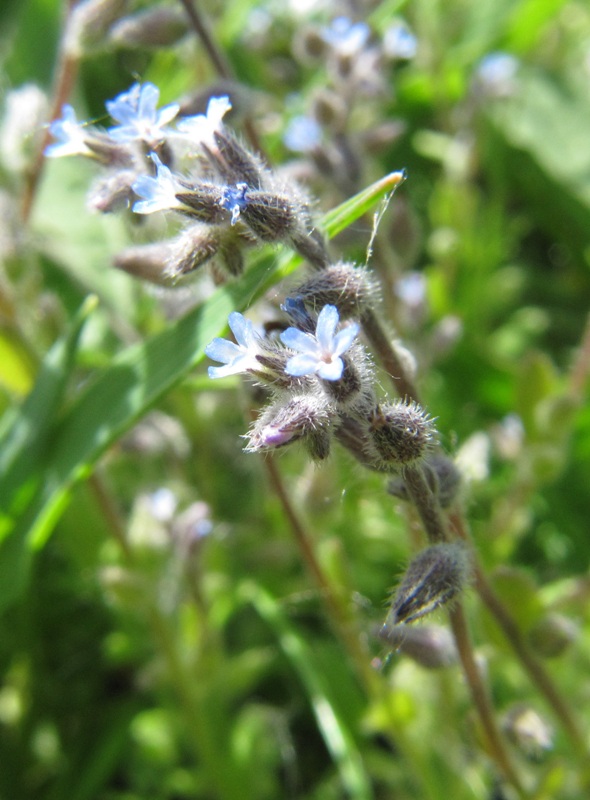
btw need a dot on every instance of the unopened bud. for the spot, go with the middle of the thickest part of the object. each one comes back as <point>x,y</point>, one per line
<point>431,646</point>
<point>112,192</point>
<point>401,434</point>
<point>435,576</point>
<point>528,731</point>
<point>25,109</point>
<point>234,162</point>
<point>330,110</point>
<point>344,285</point>
<point>302,417</point>
<point>552,635</point>
<point>442,476</point>
<point>157,27</point>
<point>89,22</point>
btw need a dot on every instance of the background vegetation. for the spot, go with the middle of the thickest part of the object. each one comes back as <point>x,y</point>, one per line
<point>162,635</point>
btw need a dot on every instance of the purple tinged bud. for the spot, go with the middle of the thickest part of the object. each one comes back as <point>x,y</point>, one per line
<point>431,646</point>
<point>303,417</point>
<point>435,576</point>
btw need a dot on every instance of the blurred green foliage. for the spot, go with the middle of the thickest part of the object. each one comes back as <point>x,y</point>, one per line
<point>160,635</point>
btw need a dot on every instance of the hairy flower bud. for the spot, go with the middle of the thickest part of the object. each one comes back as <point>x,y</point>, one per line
<point>442,476</point>
<point>344,285</point>
<point>156,27</point>
<point>552,635</point>
<point>431,646</point>
<point>112,192</point>
<point>89,22</point>
<point>435,576</point>
<point>303,417</point>
<point>401,434</point>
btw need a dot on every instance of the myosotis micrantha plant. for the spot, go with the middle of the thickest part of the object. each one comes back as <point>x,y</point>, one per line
<point>317,365</point>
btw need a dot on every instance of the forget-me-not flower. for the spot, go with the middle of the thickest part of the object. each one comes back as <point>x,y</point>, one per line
<point>201,128</point>
<point>70,135</point>
<point>159,193</point>
<point>302,134</point>
<point>138,116</point>
<point>320,354</point>
<point>345,36</point>
<point>238,357</point>
<point>399,42</point>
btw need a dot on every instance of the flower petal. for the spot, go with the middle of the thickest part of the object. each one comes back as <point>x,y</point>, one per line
<point>331,370</point>
<point>303,364</point>
<point>298,340</point>
<point>326,326</point>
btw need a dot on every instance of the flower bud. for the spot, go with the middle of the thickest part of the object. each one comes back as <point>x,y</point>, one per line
<point>112,192</point>
<point>89,22</point>
<point>431,646</point>
<point>442,476</point>
<point>552,635</point>
<point>235,163</point>
<point>157,27</point>
<point>435,576</point>
<point>528,731</point>
<point>344,285</point>
<point>401,434</point>
<point>302,417</point>
<point>330,110</point>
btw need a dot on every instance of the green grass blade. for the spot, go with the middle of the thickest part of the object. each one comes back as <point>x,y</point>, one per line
<point>337,736</point>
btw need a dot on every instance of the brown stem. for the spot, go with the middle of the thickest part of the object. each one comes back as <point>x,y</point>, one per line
<point>427,505</point>
<point>389,359</point>
<point>480,697</point>
<point>217,57</point>
<point>531,664</point>
<point>65,76</point>
<point>336,609</point>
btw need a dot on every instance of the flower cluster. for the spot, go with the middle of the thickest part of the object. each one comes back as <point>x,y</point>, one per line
<point>198,169</point>
<point>321,382</point>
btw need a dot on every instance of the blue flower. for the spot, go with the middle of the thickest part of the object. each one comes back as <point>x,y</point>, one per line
<point>201,127</point>
<point>398,42</point>
<point>302,134</point>
<point>496,74</point>
<point>136,112</point>
<point>159,193</point>
<point>320,354</point>
<point>239,357</point>
<point>71,139</point>
<point>234,200</point>
<point>345,36</point>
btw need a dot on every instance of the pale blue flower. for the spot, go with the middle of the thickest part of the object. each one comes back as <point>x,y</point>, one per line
<point>399,42</point>
<point>138,116</point>
<point>70,135</point>
<point>320,354</point>
<point>159,193</point>
<point>345,36</point>
<point>302,134</point>
<point>239,357</point>
<point>496,74</point>
<point>234,200</point>
<point>201,128</point>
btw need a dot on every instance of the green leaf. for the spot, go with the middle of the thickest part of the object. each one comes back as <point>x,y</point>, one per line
<point>337,736</point>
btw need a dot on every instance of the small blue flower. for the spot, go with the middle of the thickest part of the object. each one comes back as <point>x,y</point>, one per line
<point>239,357</point>
<point>398,42</point>
<point>302,134</point>
<point>345,36</point>
<point>136,112</point>
<point>71,139</point>
<point>159,193</point>
<point>496,74</point>
<point>320,354</point>
<point>201,127</point>
<point>234,200</point>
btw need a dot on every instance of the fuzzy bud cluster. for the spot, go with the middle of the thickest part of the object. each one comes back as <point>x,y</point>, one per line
<point>154,160</point>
